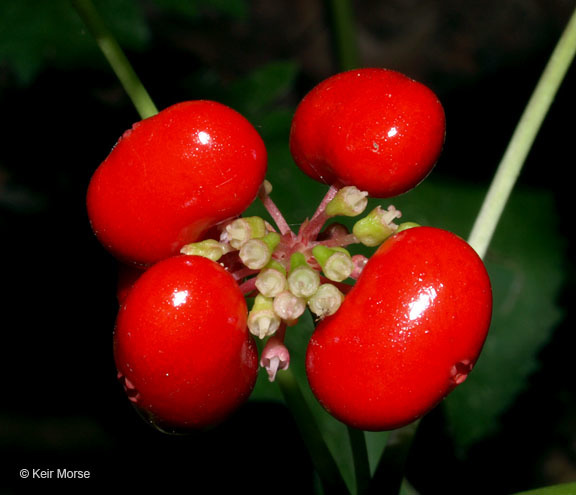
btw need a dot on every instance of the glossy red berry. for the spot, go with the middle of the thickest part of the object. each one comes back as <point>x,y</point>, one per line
<point>375,129</point>
<point>409,331</point>
<point>171,177</point>
<point>181,344</point>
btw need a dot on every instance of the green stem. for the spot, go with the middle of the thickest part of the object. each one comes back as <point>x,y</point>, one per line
<point>389,474</point>
<point>116,58</point>
<point>344,32</point>
<point>523,138</point>
<point>360,457</point>
<point>322,459</point>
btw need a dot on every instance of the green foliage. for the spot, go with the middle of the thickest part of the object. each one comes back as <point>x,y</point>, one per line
<point>562,489</point>
<point>257,93</point>
<point>36,34</point>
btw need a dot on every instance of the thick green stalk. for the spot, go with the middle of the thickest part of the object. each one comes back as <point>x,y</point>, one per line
<point>360,458</point>
<point>344,33</point>
<point>389,474</point>
<point>322,459</point>
<point>116,58</point>
<point>523,138</point>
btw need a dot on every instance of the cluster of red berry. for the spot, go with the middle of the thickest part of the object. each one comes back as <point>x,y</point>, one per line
<point>167,202</point>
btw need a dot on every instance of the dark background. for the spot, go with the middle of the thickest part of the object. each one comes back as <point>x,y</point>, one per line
<point>60,404</point>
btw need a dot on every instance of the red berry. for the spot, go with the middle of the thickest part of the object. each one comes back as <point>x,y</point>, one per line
<point>407,333</point>
<point>127,277</point>
<point>173,176</point>
<point>375,129</point>
<point>181,344</point>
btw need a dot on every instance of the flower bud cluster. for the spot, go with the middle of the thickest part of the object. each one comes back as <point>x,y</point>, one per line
<point>285,293</point>
<point>288,273</point>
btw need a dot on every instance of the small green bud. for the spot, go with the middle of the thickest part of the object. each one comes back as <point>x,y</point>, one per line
<point>336,262</point>
<point>377,226</point>
<point>271,282</point>
<point>326,300</point>
<point>288,306</point>
<point>255,254</point>
<point>243,229</point>
<point>262,320</point>
<point>272,239</point>
<point>303,281</point>
<point>349,201</point>
<point>276,265</point>
<point>209,248</point>
<point>297,259</point>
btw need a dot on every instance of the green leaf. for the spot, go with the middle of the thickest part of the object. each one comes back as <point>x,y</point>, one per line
<point>35,34</point>
<point>407,489</point>
<point>255,92</point>
<point>375,443</point>
<point>562,489</point>
<point>256,95</point>
<point>525,263</point>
